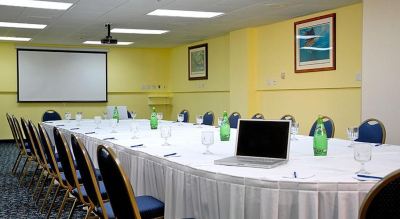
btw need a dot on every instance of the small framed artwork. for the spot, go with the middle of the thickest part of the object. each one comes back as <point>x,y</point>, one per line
<point>315,44</point>
<point>198,62</point>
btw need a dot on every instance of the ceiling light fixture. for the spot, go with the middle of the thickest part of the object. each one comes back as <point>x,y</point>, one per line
<point>15,38</point>
<point>99,43</point>
<point>22,25</point>
<point>180,13</point>
<point>37,4</point>
<point>138,31</point>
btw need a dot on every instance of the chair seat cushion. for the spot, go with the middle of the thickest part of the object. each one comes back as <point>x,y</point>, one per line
<point>108,208</point>
<point>149,207</point>
<point>102,188</point>
<point>78,175</point>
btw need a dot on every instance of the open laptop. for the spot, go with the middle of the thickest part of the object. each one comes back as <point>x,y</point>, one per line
<point>260,143</point>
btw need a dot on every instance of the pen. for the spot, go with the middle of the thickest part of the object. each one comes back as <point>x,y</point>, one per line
<point>60,125</point>
<point>89,133</point>
<point>371,177</point>
<point>168,155</point>
<point>295,174</point>
<point>74,129</point>
<point>138,145</point>
<point>112,138</point>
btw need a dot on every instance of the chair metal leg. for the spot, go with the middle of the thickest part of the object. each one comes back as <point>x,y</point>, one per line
<point>41,189</point>
<point>47,194</point>
<point>25,171</point>
<point>37,184</point>
<point>52,202</point>
<point>33,177</point>
<point>23,167</point>
<point>63,204</point>
<point>16,163</point>
<point>73,208</point>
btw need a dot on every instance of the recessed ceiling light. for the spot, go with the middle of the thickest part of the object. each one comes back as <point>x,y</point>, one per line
<point>180,13</point>
<point>15,38</point>
<point>37,4</point>
<point>138,31</point>
<point>99,43</point>
<point>22,25</point>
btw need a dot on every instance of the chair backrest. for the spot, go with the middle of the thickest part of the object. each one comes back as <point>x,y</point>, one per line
<point>383,200</point>
<point>49,151</point>
<point>10,123</point>
<point>233,119</point>
<point>119,189</point>
<point>185,115</point>
<point>329,127</point>
<point>372,131</point>
<point>34,146</point>
<point>50,115</point>
<point>129,115</point>
<point>208,118</point>
<point>288,117</point>
<point>86,170</point>
<point>67,162</point>
<point>20,136</point>
<point>39,147</point>
<point>257,116</point>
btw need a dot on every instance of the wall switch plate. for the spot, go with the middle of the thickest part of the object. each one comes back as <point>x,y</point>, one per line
<point>359,77</point>
<point>283,75</point>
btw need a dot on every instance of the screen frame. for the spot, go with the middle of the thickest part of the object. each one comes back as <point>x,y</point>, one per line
<point>261,120</point>
<point>61,101</point>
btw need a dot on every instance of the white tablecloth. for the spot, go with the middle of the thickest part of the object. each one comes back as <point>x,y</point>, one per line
<point>192,186</point>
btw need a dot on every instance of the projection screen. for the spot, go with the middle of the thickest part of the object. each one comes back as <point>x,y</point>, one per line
<point>61,76</point>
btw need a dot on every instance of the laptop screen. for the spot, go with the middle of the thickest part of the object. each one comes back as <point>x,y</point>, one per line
<point>262,138</point>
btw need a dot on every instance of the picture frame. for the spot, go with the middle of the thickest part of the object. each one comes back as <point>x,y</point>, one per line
<point>198,62</point>
<point>315,44</point>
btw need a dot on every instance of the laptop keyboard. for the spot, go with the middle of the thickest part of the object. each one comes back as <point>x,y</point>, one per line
<point>256,160</point>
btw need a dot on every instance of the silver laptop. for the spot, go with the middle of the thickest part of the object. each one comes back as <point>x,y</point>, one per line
<point>260,143</point>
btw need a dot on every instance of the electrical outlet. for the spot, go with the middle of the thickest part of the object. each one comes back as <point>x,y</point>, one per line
<point>359,77</point>
<point>283,75</point>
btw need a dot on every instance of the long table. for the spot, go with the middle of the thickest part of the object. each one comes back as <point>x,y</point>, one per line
<point>192,186</point>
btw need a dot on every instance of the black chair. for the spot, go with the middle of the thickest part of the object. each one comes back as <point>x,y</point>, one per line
<point>90,186</point>
<point>22,152</point>
<point>185,115</point>
<point>234,119</point>
<point>208,118</point>
<point>289,117</point>
<point>257,116</point>
<point>383,200</point>
<point>51,115</point>
<point>122,198</point>
<point>329,127</point>
<point>372,131</point>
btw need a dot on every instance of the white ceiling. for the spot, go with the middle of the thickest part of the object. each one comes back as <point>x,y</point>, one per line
<point>86,18</point>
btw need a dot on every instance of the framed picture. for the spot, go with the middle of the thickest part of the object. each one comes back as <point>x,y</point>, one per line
<point>315,44</point>
<point>198,62</point>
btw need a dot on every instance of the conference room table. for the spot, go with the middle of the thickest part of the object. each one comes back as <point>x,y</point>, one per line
<point>191,185</point>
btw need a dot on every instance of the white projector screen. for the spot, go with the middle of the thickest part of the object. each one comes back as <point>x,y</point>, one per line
<point>61,76</point>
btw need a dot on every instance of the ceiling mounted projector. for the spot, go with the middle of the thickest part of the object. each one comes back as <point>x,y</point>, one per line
<point>108,39</point>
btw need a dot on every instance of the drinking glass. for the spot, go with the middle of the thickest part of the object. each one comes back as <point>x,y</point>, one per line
<point>199,120</point>
<point>352,134</point>
<point>114,124</point>
<point>78,117</point>
<point>105,115</point>
<point>133,115</point>
<point>220,121</point>
<point>362,154</point>
<point>165,133</point>
<point>207,139</point>
<point>181,117</point>
<point>67,116</point>
<point>160,115</point>
<point>97,121</point>
<point>134,130</point>
<point>294,130</point>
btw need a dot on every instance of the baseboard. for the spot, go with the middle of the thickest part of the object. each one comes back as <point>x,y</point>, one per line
<point>7,140</point>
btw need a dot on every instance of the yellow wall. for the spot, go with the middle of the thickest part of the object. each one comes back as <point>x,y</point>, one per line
<point>128,70</point>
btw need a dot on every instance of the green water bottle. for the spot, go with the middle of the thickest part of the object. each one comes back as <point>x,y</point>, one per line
<point>225,129</point>
<point>320,139</point>
<point>116,114</point>
<point>153,119</point>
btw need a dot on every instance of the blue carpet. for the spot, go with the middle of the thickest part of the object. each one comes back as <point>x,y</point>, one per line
<point>16,201</point>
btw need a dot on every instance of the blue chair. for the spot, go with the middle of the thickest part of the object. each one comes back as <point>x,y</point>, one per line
<point>208,118</point>
<point>257,116</point>
<point>233,119</point>
<point>91,187</point>
<point>122,198</point>
<point>289,117</point>
<point>372,131</point>
<point>329,127</point>
<point>185,115</point>
<point>51,115</point>
<point>383,200</point>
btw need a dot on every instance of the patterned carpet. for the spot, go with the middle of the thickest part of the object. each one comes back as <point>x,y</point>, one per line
<point>16,201</point>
